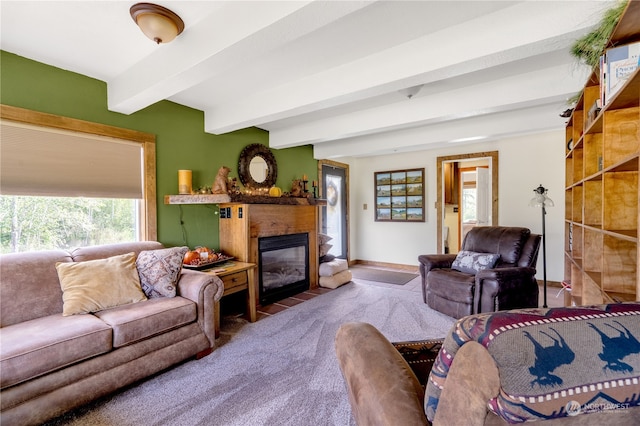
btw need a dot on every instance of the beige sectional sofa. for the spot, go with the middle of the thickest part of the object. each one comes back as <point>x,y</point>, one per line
<point>50,363</point>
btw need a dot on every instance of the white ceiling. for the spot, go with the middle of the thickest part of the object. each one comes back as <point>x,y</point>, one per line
<point>327,73</point>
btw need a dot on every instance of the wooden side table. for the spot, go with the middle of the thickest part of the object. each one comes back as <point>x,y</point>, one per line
<point>236,276</point>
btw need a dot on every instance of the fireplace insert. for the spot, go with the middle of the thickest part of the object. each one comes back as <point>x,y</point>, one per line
<point>283,266</point>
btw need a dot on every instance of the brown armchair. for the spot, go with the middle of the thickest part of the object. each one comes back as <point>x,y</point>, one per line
<point>468,288</point>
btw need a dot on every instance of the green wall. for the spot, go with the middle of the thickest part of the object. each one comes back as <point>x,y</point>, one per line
<point>181,142</point>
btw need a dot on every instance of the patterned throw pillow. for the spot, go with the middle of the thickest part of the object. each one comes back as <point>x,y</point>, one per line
<point>324,249</point>
<point>323,238</point>
<point>159,269</point>
<point>472,262</point>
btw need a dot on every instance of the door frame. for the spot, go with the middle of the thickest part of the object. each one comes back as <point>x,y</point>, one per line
<point>344,166</point>
<point>440,193</point>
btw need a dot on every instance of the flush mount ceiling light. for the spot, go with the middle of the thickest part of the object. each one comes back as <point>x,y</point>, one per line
<point>156,22</point>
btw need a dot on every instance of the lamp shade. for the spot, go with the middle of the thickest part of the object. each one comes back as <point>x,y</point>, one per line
<point>156,22</point>
<point>541,199</point>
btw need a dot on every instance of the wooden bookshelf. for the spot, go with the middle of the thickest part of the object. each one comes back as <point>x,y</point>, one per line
<point>602,190</point>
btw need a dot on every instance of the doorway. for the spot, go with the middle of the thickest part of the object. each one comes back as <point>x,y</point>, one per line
<point>467,196</point>
<point>475,200</point>
<point>334,187</point>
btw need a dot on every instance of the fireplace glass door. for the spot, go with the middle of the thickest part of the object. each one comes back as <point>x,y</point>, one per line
<point>283,266</point>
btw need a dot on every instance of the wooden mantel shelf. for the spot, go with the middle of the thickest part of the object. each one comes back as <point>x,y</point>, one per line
<point>197,199</point>
<point>240,198</point>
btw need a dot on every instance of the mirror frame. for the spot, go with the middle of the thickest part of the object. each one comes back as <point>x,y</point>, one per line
<point>249,153</point>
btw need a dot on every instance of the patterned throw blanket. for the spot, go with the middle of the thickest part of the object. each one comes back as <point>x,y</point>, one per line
<point>552,362</point>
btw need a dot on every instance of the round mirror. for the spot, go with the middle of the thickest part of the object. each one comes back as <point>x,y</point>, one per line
<point>257,167</point>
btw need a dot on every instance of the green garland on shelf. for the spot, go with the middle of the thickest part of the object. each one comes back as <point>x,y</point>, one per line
<point>591,46</point>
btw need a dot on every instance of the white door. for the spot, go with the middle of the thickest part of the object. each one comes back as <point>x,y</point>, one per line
<point>483,188</point>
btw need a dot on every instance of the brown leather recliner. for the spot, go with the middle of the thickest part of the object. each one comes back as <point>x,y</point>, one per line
<point>510,284</point>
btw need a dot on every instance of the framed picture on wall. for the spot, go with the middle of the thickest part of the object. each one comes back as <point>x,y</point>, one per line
<point>400,195</point>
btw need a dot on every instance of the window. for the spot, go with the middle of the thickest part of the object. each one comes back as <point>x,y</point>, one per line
<point>101,190</point>
<point>43,223</point>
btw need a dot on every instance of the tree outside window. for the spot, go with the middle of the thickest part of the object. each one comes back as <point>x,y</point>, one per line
<point>43,223</point>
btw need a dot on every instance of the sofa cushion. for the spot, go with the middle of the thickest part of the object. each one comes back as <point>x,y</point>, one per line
<point>99,284</point>
<point>29,285</point>
<point>472,262</point>
<point>138,321</point>
<point>82,254</point>
<point>159,269</point>
<point>53,342</point>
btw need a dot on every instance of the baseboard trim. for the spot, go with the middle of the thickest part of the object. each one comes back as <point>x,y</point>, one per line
<point>408,268</point>
<point>550,283</point>
<point>415,269</point>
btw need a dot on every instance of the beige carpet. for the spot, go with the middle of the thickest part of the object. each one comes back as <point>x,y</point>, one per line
<point>280,370</point>
<point>381,275</point>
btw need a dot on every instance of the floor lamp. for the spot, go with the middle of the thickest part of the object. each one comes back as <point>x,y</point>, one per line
<point>541,200</point>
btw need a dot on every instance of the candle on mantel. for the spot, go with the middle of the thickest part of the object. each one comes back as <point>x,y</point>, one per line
<point>314,183</point>
<point>184,182</point>
<point>304,178</point>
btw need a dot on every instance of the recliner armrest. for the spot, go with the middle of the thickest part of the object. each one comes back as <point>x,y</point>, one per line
<point>504,274</point>
<point>432,261</point>
<point>505,288</point>
<point>205,290</point>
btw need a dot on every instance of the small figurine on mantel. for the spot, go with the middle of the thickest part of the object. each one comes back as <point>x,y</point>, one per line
<point>233,186</point>
<point>296,188</point>
<point>220,184</point>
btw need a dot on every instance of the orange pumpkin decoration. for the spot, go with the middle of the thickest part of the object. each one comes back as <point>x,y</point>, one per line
<point>191,257</point>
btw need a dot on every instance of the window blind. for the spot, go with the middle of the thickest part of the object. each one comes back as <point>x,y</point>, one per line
<point>43,161</point>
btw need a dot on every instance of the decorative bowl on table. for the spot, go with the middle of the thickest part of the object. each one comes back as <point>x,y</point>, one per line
<point>203,258</point>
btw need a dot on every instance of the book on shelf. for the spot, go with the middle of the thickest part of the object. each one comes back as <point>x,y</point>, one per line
<point>603,78</point>
<point>621,62</point>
